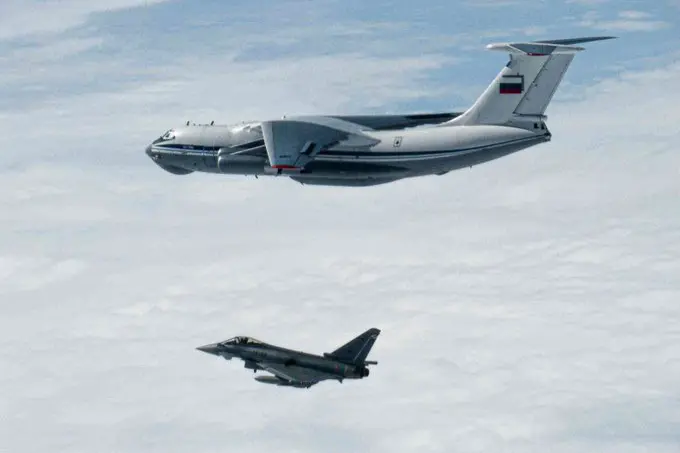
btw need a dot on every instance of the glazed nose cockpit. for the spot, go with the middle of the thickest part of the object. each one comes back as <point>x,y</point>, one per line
<point>167,161</point>
<point>167,137</point>
<point>209,148</point>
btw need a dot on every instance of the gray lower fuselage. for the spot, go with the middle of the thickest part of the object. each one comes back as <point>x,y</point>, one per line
<point>401,153</point>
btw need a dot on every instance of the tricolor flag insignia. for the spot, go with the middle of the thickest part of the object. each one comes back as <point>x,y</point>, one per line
<point>512,84</point>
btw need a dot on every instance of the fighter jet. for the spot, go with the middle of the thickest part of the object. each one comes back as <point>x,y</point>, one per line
<point>364,150</point>
<point>295,368</point>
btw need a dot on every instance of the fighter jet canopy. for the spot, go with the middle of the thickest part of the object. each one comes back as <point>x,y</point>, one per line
<point>242,341</point>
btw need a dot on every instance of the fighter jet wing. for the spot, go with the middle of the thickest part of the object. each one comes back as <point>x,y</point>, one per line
<point>295,374</point>
<point>292,143</point>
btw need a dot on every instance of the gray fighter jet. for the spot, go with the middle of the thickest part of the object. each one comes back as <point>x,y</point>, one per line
<point>295,368</point>
<point>364,150</point>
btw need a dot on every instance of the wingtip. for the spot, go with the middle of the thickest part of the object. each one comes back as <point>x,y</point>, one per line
<point>604,38</point>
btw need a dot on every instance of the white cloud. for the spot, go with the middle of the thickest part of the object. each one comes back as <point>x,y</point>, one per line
<point>629,21</point>
<point>629,25</point>
<point>285,86</point>
<point>21,18</point>
<point>41,88</point>
<point>33,273</point>
<point>528,304</point>
<point>632,14</point>
<point>53,51</point>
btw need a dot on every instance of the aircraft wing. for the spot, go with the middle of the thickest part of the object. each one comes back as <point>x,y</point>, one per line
<point>292,143</point>
<point>295,374</point>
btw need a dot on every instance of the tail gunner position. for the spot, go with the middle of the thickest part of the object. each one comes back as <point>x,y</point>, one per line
<point>364,150</point>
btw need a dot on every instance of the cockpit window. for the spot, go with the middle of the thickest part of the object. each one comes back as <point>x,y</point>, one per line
<point>242,340</point>
<point>169,135</point>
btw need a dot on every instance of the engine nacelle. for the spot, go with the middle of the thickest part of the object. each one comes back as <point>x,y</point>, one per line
<point>241,165</point>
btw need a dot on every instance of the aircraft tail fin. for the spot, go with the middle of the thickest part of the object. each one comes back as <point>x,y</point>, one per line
<point>523,89</point>
<point>356,350</point>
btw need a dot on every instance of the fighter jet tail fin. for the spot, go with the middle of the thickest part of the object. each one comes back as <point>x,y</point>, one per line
<point>356,350</point>
<point>524,87</point>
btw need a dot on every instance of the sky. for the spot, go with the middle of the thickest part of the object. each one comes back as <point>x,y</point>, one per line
<point>529,304</point>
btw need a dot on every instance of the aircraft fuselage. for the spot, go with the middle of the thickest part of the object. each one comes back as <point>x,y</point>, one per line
<point>252,354</point>
<point>421,149</point>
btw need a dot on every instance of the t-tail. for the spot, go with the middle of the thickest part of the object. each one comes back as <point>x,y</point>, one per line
<point>356,351</point>
<point>521,92</point>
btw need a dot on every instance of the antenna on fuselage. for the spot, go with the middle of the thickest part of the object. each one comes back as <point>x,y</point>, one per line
<point>187,122</point>
<point>212,123</point>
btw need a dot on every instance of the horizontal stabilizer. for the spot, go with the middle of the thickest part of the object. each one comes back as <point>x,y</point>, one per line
<point>570,41</point>
<point>548,47</point>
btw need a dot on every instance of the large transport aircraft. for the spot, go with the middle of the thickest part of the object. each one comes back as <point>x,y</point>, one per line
<point>365,150</point>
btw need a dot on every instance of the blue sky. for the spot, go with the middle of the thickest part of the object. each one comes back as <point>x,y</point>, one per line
<point>129,47</point>
<point>527,305</point>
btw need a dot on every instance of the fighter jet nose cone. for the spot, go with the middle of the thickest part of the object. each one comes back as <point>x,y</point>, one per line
<point>209,349</point>
<point>148,150</point>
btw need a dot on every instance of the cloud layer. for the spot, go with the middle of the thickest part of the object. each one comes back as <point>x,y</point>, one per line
<point>528,304</point>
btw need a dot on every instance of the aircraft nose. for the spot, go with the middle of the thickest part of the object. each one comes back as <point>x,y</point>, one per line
<point>213,349</point>
<point>148,150</point>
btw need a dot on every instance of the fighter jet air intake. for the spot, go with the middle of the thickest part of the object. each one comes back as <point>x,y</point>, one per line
<point>365,150</point>
<point>299,369</point>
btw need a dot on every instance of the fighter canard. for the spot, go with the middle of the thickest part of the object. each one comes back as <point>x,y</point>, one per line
<point>295,368</point>
<point>366,150</point>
